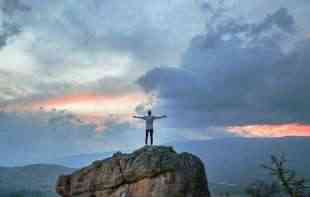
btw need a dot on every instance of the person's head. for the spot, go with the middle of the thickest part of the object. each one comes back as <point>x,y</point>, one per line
<point>149,112</point>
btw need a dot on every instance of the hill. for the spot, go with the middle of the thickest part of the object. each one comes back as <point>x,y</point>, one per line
<point>38,178</point>
<point>81,160</point>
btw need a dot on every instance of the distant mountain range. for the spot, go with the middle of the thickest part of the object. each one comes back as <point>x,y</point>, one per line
<point>230,163</point>
<point>39,178</point>
<point>81,160</point>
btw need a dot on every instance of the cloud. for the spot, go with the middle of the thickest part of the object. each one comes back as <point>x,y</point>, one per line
<point>43,136</point>
<point>93,46</point>
<point>237,74</point>
<point>33,137</point>
<point>9,27</point>
<point>10,7</point>
<point>7,30</point>
<point>282,130</point>
<point>95,32</point>
<point>30,90</point>
<point>281,18</point>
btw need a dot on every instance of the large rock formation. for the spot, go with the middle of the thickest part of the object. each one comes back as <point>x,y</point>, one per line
<point>152,171</point>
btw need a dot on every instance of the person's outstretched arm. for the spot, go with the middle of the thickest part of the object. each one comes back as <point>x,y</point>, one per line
<point>160,117</point>
<point>140,117</point>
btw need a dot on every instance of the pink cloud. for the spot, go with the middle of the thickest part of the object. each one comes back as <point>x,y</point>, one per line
<point>280,130</point>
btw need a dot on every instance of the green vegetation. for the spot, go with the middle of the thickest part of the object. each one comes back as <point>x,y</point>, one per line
<point>282,182</point>
<point>286,182</point>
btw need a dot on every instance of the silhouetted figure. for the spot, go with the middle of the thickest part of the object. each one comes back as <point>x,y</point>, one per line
<point>149,120</point>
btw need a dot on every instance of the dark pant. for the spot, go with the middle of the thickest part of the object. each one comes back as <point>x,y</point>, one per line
<point>147,133</point>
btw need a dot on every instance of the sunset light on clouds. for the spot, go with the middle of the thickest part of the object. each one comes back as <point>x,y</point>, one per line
<point>94,104</point>
<point>95,109</point>
<point>281,130</point>
<point>238,66</point>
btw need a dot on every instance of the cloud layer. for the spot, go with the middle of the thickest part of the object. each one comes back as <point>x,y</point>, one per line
<point>9,27</point>
<point>238,74</point>
<point>234,63</point>
<point>36,137</point>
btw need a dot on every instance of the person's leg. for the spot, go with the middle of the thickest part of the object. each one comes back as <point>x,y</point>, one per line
<point>146,136</point>
<point>151,133</point>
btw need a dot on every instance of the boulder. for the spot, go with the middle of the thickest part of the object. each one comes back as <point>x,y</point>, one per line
<point>152,171</point>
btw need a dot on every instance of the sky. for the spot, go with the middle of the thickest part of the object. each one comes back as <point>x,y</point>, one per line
<point>72,74</point>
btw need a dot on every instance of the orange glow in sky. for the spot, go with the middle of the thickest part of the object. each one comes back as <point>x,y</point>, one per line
<point>95,109</point>
<point>94,104</point>
<point>281,130</point>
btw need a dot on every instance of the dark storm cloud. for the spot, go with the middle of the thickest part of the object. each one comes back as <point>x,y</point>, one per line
<point>7,30</point>
<point>281,18</point>
<point>9,27</point>
<point>221,26</point>
<point>10,7</point>
<point>238,74</point>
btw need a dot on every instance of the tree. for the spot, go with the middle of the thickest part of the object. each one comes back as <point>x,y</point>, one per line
<point>293,185</point>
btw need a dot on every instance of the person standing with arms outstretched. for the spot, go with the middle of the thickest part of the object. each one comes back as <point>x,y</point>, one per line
<point>149,120</point>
